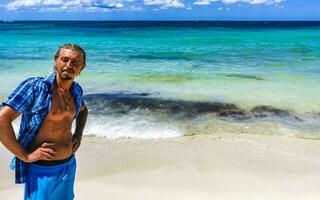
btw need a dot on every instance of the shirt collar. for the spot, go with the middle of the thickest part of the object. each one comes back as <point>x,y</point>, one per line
<point>51,79</point>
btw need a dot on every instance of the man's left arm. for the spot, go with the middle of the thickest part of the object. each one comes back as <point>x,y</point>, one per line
<point>80,124</point>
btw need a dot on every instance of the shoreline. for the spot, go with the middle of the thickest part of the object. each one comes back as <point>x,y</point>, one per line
<point>230,166</point>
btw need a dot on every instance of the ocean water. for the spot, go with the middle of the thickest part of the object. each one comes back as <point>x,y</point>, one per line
<point>173,79</point>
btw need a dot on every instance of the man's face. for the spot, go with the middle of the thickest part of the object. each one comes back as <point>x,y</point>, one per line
<point>69,64</point>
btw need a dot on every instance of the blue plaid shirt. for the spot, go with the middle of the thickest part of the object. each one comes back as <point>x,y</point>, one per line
<point>32,98</point>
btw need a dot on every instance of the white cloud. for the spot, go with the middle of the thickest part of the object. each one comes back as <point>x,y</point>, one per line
<point>135,8</point>
<point>96,9</point>
<point>52,2</point>
<point>49,10</point>
<point>89,5</point>
<point>109,5</point>
<point>164,4</point>
<point>202,2</point>
<point>70,5</point>
<point>119,5</point>
<point>22,3</point>
<point>208,2</point>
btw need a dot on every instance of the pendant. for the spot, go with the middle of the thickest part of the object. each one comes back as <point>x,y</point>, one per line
<point>66,107</point>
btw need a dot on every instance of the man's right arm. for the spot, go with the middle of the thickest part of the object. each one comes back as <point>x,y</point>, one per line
<point>8,139</point>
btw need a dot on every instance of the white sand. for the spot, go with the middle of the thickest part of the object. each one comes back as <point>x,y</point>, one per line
<point>203,167</point>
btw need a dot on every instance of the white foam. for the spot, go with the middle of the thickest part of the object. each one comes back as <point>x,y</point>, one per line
<point>131,126</point>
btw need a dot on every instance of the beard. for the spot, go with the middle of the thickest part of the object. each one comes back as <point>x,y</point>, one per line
<point>66,78</point>
<point>65,74</point>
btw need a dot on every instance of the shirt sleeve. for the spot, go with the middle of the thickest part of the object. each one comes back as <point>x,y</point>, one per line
<point>22,97</point>
<point>82,103</point>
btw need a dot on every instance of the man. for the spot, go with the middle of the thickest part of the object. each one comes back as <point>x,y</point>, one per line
<point>44,151</point>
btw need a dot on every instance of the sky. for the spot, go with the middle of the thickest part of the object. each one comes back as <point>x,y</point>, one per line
<point>159,10</point>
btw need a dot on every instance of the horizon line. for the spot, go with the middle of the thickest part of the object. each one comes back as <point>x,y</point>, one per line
<point>160,20</point>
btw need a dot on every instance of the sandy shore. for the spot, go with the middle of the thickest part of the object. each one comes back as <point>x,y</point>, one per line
<point>202,167</point>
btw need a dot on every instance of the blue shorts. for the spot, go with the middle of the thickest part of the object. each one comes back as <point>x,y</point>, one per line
<point>51,182</point>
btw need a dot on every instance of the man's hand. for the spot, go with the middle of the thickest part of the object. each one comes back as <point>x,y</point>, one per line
<point>44,152</point>
<point>76,141</point>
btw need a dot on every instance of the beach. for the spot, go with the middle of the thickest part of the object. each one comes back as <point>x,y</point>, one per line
<point>183,110</point>
<point>231,166</point>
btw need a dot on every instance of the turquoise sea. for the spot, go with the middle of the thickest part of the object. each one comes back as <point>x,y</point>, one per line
<point>172,79</point>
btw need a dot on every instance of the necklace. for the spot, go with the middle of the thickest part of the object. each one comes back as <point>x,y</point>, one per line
<point>66,101</point>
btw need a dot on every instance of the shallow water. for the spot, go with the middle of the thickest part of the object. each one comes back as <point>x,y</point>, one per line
<point>239,64</point>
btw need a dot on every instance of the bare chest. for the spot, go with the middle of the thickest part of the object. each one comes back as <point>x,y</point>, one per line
<point>58,121</point>
<point>62,108</point>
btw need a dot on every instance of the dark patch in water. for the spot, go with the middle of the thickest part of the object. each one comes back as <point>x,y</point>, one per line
<point>298,118</point>
<point>266,111</point>
<point>123,103</point>
<point>258,78</point>
<point>234,113</point>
